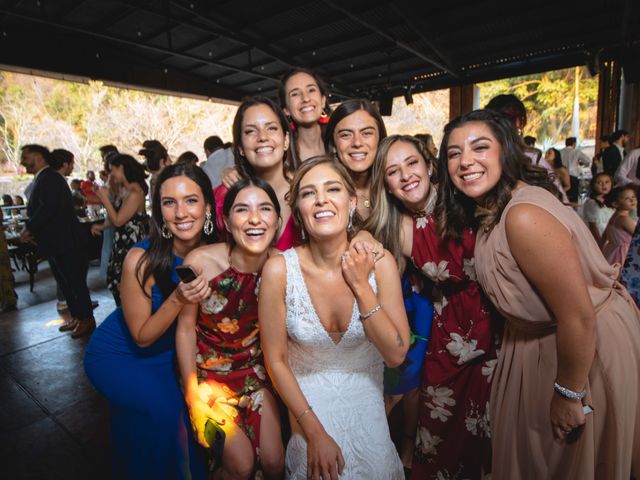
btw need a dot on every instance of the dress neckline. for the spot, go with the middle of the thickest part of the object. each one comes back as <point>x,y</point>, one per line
<point>315,312</point>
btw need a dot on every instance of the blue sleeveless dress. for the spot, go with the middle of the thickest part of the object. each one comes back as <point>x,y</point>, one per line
<point>150,431</point>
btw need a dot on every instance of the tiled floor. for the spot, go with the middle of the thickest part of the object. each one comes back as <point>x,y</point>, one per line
<point>53,423</point>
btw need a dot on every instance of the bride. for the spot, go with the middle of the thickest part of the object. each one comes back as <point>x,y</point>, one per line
<point>328,321</point>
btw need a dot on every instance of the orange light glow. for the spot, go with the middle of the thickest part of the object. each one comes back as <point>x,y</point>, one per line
<point>53,323</point>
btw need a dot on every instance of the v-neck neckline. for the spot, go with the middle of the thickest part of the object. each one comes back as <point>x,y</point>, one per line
<point>315,312</point>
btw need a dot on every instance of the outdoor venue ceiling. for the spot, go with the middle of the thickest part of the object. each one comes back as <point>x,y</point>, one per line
<point>230,49</point>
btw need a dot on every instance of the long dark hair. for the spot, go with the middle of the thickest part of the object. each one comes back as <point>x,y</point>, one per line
<point>290,160</point>
<point>347,108</point>
<point>455,211</point>
<point>557,158</point>
<point>134,171</point>
<point>157,260</point>
<point>237,187</point>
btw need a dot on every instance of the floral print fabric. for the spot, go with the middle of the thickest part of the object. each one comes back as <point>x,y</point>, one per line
<point>124,237</point>
<point>229,350</point>
<point>453,439</point>
<point>630,276</point>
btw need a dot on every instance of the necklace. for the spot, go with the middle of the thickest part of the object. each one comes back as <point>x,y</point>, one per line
<point>365,201</point>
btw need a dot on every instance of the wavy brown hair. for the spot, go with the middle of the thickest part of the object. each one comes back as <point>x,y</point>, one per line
<point>306,167</point>
<point>455,211</point>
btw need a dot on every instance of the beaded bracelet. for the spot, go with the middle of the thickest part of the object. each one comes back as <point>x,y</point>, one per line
<point>569,394</point>
<point>364,316</point>
<point>307,410</point>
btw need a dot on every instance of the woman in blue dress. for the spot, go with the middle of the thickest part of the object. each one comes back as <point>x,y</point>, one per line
<point>131,356</point>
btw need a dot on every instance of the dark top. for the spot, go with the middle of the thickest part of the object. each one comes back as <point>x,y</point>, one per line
<point>52,218</point>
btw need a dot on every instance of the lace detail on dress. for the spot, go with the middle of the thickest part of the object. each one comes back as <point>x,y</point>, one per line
<point>342,382</point>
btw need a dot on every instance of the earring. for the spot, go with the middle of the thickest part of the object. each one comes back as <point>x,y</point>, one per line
<point>208,223</point>
<point>350,225</point>
<point>324,118</point>
<point>165,232</point>
<point>303,237</point>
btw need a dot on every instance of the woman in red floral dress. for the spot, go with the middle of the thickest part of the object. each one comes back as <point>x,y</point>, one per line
<point>453,437</point>
<point>218,347</point>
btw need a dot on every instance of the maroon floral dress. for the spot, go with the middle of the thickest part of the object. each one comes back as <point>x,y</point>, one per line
<point>453,437</point>
<point>229,350</point>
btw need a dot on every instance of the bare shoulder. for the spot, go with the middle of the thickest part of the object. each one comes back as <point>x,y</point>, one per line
<point>529,220</point>
<point>386,265</point>
<point>274,268</point>
<point>207,253</point>
<point>133,258</point>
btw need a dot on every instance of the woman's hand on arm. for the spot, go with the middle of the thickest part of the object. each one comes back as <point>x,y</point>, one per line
<point>230,176</point>
<point>146,327</point>
<point>324,458</point>
<point>388,327</point>
<point>546,253</point>
<point>364,239</point>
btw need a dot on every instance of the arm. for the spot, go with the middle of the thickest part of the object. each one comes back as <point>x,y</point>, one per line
<point>230,176</point>
<point>322,452</point>
<point>388,328</point>
<point>621,176</point>
<point>626,223</point>
<point>546,254</point>
<point>146,327</point>
<point>129,207</point>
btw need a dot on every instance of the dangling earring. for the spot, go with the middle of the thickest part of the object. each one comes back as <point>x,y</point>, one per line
<point>292,125</point>
<point>165,232</point>
<point>208,224</point>
<point>350,225</point>
<point>303,237</point>
<point>324,118</point>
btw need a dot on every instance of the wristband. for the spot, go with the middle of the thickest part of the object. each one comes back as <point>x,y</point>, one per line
<point>364,316</point>
<point>569,394</point>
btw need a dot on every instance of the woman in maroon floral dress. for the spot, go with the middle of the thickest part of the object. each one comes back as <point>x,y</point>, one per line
<point>453,438</point>
<point>218,347</point>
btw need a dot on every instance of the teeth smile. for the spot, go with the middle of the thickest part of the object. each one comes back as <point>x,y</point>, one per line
<point>184,226</point>
<point>471,176</point>
<point>255,232</point>
<point>324,214</point>
<point>358,156</point>
<point>411,186</point>
<point>264,150</point>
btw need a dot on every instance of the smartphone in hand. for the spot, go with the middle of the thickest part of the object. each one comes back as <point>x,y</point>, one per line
<point>185,273</point>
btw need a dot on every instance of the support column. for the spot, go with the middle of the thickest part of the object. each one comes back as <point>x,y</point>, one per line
<point>460,100</point>
<point>608,95</point>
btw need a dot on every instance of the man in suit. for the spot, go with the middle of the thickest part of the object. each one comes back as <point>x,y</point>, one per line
<point>54,226</point>
<point>614,153</point>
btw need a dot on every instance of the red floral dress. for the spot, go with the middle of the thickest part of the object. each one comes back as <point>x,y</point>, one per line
<point>229,350</point>
<point>453,437</point>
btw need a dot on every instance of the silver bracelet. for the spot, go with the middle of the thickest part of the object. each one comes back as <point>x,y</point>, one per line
<point>569,394</point>
<point>306,410</point>
<point>364,316</point>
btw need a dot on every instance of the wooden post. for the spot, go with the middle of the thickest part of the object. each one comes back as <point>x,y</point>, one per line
<point>460,100</point>
<point>608,96</point>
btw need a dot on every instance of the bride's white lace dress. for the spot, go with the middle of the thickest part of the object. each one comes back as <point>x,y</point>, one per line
<point>342,382</point>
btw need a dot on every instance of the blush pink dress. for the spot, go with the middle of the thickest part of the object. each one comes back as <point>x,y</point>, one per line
<point>617,243</point>
<point>608,446</point>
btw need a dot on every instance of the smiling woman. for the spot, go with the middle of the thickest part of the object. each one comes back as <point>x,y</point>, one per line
<point>261,138</point>
<point>353,133</point>
<point>572,332</point>
<point>219,354</point>
<point>328,321</point>
<point>130,357</point>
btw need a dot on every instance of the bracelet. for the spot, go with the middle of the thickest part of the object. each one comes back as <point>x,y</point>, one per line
<point>307,410</point>
<point>569,394</point>
<point>364,316</point>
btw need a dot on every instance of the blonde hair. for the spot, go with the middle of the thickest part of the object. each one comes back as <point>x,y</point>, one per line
<point>385,221</point>
<point>306,167</point>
